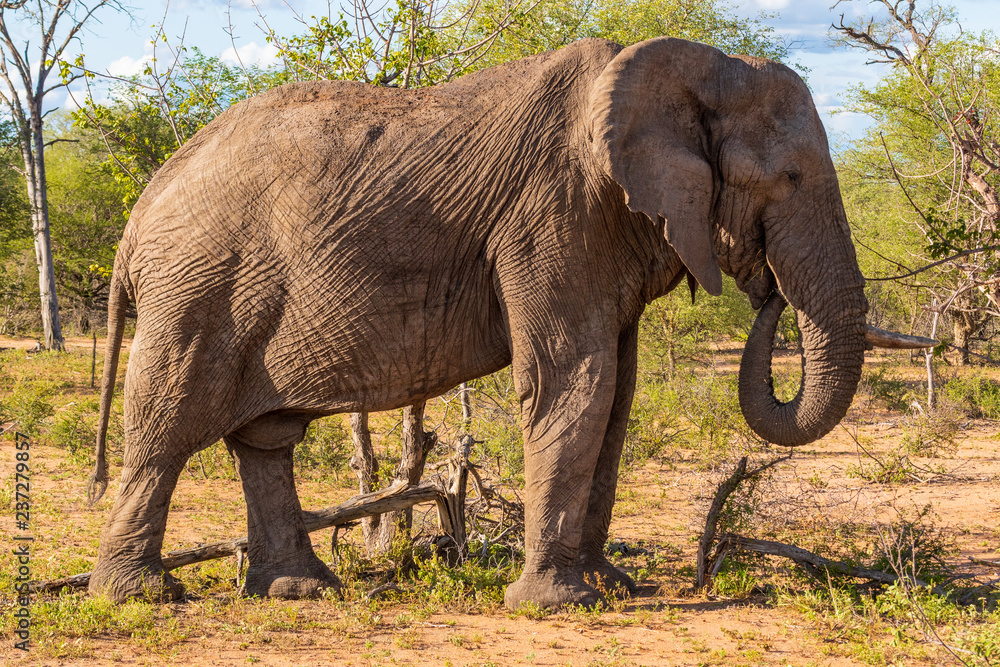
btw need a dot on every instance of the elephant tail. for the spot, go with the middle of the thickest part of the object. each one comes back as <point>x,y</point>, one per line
<point>117,307</point>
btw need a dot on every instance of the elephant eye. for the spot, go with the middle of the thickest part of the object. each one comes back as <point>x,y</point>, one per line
<point>793,177</point>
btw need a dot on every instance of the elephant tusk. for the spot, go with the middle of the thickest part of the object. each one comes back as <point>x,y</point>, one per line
<point>881,338</point>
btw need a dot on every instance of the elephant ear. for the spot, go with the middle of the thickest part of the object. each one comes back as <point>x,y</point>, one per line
<point>646,132</point>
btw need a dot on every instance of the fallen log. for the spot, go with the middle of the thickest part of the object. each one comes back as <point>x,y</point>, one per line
<point>812,562</point>
<point>709,562</point>
<point>397,497</point>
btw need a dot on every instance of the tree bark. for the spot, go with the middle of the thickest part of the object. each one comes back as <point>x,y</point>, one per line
<point>812,562</point>
<point>451,499</point>
<point>463,392</point>
<point>962,333</point>
<point>929,358</point>
<point>365,465</point>
<point>379,531</point>
<point>33,154</point>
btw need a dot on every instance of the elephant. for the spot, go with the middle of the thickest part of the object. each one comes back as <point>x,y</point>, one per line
<point>330,247</point>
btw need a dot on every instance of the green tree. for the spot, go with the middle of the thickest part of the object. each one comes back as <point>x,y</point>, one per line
<point>933,151</point>
<point>18,276</point>
<point>155,113</point>
<point>556,23</point>
<point>409,44</point>
<point>24,82</point>
<point>88,211</point>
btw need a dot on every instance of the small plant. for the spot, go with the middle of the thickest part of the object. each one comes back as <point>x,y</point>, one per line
<point>30,405</point>
<point>893,467</point>
<point>883,388</point>
<point>468,581</point>
<point>530,610</point>
<point>931,435</point>
<point>74,428</point>
<point>325,447</point>
<point>735,580</point>
<point>976,395</point>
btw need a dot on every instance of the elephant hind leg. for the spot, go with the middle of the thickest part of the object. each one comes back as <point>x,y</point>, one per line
<point>129,562</point>
<point>282,561</point>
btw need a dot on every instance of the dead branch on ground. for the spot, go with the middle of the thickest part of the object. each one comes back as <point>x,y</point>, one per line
<point>709,562</point>
<point>397,497</point>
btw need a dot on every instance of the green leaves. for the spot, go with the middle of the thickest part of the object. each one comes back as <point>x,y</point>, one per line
<point>151,115</point>
<point>556,23</point>
<point>932,156</point>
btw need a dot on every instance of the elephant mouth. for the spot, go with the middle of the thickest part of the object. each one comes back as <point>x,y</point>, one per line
<point>829,377</point>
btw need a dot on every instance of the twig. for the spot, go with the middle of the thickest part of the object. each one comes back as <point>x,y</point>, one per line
<point>987,563</point>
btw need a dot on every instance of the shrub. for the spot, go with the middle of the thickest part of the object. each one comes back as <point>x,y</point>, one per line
<point>29,405</point>
<point>75,428</point>
<point>976,395</point>
<point>326,445</point>
<point>882,388</point>
<point>653,429</point>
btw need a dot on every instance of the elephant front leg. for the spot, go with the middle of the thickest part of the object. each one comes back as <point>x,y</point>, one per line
<point>593,563</point>
<point>565,411</point>
<point>129,562</point>
<point>282,561</point>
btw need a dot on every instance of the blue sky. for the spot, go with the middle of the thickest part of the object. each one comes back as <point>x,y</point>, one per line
<point>121,44</point>
<point>833,71</point>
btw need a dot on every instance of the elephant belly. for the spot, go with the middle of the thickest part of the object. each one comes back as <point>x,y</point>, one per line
<point>380,354</point>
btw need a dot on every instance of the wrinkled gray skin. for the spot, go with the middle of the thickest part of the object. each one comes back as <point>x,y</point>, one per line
<point>333,247</point>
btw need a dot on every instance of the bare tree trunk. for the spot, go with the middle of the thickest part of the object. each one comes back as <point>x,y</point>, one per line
<point>929,356</point>
<point>34,167</point>
<point>963,333</point>
<point>379,531</point>
<point>365,466</point>
<point>451,501</point>
<point>23,75</point>
<point>463,392</point>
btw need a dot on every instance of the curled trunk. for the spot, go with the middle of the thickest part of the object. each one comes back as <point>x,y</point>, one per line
<point>831,368</point>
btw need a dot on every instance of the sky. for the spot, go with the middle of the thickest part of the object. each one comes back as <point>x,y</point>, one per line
<point>120,43</point>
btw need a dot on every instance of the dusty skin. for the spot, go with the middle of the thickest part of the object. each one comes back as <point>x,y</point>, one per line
<point>658,509</point>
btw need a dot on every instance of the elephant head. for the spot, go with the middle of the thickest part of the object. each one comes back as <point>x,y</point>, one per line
<point>731,153</point>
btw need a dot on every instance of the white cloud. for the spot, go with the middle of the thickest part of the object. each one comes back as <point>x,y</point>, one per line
<point>74,97</point>
<point>128,66</point>
<point>771,5</point>
<point>250,54</point>
<point>826,101</point>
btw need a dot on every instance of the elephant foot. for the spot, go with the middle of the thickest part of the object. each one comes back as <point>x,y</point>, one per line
<point>607,578</point>
<point>147,582</point>
<point>551,589</point>
<point>290,581</point>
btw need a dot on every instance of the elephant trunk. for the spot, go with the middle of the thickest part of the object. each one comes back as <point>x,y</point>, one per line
<point>831,368</point>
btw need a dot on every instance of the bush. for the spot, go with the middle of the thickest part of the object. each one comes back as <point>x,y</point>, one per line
<point>931,434</point>
<point>326,446</point>
<point>976,395</point>
<point>29,405</point>
<point>882,388</point>
<point>653,429</point>
<point>75,428</point>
